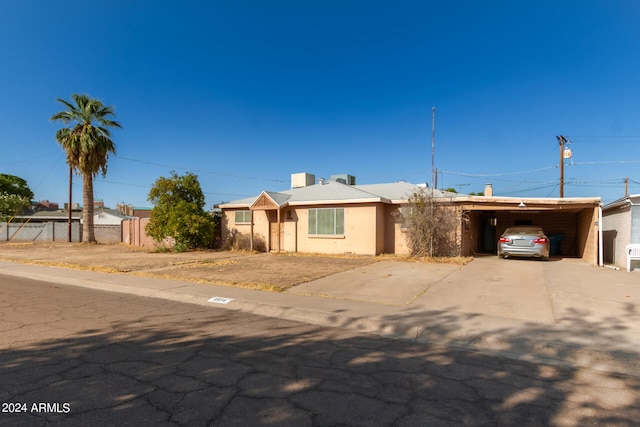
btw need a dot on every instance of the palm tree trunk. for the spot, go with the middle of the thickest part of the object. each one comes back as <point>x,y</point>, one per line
<point>88,234</point>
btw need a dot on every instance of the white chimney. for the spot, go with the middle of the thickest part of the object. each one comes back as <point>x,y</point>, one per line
<point>488,190</point>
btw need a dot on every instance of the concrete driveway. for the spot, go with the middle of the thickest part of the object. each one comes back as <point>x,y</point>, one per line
<point>384,282</point>
<point>556,291</point>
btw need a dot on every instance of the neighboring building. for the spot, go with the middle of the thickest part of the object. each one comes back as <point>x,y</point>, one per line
<point>53,225</point>
<point>44,205</point>
<point>621,227</point>
<point>132,211</point>
<point>43,226</point>
<point>104,216</point>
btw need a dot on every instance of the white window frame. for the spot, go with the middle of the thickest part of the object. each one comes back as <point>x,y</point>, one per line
<point>246,218</point>
<point>336,232</point>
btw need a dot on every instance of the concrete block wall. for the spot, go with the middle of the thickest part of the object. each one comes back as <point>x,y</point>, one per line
<point>47,231</point>
<point>108,233</point>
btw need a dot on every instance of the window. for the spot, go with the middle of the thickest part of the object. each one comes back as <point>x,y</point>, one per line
<point>326,221</point>
<point>243,217</point>
<point>406,212</point>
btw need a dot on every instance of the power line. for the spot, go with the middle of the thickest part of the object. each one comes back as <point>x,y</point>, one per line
<point>605,136</point>
<point>148,187</point>
<point>481,175</point>
<point>31,158</point>
<point>609,162</point>
<point>201,171</point>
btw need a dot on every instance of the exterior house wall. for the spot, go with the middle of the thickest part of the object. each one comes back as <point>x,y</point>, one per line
<point>469,233</point>
<point>616,230</point>
<point>635,224</point>
<point>360,231</point>
<point>587,238</point>
<point>395,237</point>
<point>260,227</point>
<point>291,230</point>
<point>380,223</point>
<point>370,228</point>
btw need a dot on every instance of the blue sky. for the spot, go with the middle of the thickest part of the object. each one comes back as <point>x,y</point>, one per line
<point>244,93</point>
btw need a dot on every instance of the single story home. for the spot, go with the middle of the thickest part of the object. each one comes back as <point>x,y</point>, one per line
<point>332,217</point>
<point>338,216</point>
<point>620,227</point>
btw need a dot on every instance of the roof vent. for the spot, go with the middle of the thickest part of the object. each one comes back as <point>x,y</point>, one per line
<point>302,179</point>
<point>344,179</point>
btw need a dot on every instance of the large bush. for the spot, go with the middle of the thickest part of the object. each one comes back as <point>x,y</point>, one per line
<point>178,212</point>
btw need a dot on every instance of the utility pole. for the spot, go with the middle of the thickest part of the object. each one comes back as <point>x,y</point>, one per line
<point>70,198</point>
<point>433,140</point>
<point>433,177</point>
<point>626,186</point>
<point>561,140</point>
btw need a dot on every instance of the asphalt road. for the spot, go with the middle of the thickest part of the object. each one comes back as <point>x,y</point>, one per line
<point>75,356</point>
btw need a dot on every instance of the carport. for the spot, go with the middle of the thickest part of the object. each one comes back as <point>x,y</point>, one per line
<point>570,223</point>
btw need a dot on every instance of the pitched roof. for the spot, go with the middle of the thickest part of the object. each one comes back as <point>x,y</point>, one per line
<point>332,193</point>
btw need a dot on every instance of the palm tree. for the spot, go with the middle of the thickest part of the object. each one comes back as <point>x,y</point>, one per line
<point>87,143</point>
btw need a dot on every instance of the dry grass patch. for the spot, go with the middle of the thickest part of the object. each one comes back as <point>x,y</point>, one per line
<point>274,272</point>
<point>266,271</point>
<point>459,260</point>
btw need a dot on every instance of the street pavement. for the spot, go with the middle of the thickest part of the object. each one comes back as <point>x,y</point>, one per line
<point>563,312</point>
<point>75,356</point>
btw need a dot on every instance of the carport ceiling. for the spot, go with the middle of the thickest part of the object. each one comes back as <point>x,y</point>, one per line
<point>515,205</point>
<point>529,209</point>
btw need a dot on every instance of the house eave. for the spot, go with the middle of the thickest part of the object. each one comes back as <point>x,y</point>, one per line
<point>339,201</point>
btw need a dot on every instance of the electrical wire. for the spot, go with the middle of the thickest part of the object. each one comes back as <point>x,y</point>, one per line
<point>201,171</point>
<point>481,175</point>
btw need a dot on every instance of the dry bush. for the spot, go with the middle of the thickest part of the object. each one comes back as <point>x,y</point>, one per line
<point>431,222</point>
<point>237,241</point>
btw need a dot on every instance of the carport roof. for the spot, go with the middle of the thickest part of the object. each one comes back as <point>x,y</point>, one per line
<point>514,203</point>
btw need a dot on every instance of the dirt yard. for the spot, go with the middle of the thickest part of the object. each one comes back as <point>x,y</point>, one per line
<point>275,272</point>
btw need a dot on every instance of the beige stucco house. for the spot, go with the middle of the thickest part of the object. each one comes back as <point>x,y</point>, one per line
<point>340,217</point>
<point>329,217</point>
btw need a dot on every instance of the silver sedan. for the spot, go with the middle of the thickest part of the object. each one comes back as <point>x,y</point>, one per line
<point>524,242</point>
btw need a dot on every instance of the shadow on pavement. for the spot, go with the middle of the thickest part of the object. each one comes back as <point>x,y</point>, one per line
<point>120,359</point>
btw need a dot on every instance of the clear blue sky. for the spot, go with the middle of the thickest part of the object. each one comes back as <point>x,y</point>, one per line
<point>244,93</point>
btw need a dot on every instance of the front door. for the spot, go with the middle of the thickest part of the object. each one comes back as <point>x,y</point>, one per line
<point>273,230</point>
